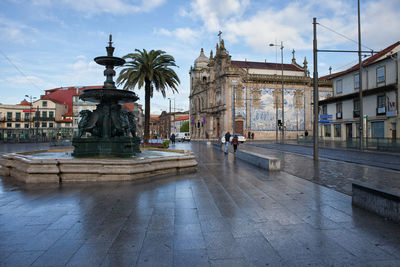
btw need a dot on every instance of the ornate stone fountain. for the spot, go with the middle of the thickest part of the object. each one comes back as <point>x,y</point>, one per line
<point>112,129</point>
<point>113,135</point>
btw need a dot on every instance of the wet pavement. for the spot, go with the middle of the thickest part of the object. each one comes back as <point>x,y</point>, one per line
<point>227,214</point>
<point>336,168</point>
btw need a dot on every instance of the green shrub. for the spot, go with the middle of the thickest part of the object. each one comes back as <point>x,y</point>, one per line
<point>165,144</point>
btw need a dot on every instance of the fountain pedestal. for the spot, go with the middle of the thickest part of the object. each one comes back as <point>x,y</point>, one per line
<point>112,129</point>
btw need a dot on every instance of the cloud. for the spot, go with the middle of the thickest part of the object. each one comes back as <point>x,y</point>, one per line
<point>291,22</point>
<point>16,32</point>
<point>95,7</point>
<point>184,34</point>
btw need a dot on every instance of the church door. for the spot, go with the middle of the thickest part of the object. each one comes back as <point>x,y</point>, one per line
<point>239,127</point>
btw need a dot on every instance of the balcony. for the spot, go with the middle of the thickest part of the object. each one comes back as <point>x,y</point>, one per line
<point>356,113</point>
<point>381,111</point>
<point>43,118</point>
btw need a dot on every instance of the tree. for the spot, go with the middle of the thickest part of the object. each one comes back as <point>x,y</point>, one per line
<point>153,71</point>
<point>185,127</point>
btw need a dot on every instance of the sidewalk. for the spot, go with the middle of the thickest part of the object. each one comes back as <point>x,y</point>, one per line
<point>346,166</point>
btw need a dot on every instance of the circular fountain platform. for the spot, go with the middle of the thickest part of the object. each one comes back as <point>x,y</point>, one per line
<point>35,168</point>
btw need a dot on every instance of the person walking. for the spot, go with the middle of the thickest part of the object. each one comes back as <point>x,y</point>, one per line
<point>235,142</point>
<point>173,138</point>
<point>227,137</point>
<point>252,136</point>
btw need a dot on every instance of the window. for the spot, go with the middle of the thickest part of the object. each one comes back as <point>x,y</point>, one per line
<point>9,116</point>
<point>27,116</point>
<point>338,130</point>
<point>339,87</point>
<point>51,125</point>
<point>356,108</point>
<point>26,125</point>
<point>327,130</point>
<point>381,105</point>
<point>9,124</point>
<point>58,125</point>
<point>239,97</point>
<point>18,116</point>
<point>44,104</point>
<point>67,124</point>
<point>256,99</point>
<point>37,124</point>
<point>218,97</point>
<point>51,114</point>
<point>356,81</point>
<point>44,114</point>
<point>338,110</point>
<point>324,110</point>
<point>17,125</point>
<point>44,124</point>
<point>380,74</point>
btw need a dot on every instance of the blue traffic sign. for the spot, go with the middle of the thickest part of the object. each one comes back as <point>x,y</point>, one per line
<point>324,116</point>
<point>324,121</point>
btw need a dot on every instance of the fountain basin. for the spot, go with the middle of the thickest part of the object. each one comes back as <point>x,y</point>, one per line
<point>27,169</point>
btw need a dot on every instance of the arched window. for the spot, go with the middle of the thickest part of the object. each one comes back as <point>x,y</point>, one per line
<point>204,79</point>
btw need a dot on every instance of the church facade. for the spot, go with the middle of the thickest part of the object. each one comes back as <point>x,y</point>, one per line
<point>246,97</point>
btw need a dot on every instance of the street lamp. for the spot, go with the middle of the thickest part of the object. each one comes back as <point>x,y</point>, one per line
<point>283,100</point>
<point>169,119</point>
<point>30,112</point>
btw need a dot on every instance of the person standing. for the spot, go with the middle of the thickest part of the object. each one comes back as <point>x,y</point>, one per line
<point>306,133</point>
<point>235,142</point>
<point>227,137</point>
<point>252,136</point>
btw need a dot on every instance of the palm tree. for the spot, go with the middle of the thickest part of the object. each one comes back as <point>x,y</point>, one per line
<point>153,70</point>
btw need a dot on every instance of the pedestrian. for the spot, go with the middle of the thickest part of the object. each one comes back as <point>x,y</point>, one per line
<point>235,142</point>
<point>306,133</point>
<point>252,136</point>
<point>248,135</point>
<point>172,138</point>
<point>227,137</point>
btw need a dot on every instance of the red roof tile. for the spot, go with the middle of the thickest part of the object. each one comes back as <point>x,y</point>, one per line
<point>365,63</point>
<point>182,118</point>
<point>265,65</point>
<point>24,103</point>
<point>64,120</point>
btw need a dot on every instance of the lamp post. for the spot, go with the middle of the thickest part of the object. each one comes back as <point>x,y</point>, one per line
<point>169,119</point>
<point>30,112</point>
<point>283,99</point>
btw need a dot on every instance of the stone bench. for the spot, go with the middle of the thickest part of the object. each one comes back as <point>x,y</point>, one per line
<point>259,160</point>
<point>378,201</point>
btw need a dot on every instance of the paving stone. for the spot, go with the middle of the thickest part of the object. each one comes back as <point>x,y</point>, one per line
<point>226,214</point>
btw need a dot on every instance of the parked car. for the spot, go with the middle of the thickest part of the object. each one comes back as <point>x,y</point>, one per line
<point>241,138</point>
<point>182,137</point>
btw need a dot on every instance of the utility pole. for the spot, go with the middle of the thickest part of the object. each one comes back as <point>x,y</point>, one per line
<point>316,105</point>
<point>30,114</point>
<point>360,82</point>
<point>169,120</point>
<point>233,109</point>
<point>283,98</point>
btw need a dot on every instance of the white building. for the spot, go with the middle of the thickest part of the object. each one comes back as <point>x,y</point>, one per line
<point>380,82</point>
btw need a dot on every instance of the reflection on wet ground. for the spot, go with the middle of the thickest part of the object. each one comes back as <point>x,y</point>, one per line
<point>227,214</point>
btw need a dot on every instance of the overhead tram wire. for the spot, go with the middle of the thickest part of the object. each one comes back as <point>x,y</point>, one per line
<point>344,36</point>
<point>20,71</point>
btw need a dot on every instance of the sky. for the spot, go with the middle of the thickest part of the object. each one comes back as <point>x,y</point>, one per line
<point>47,44</point>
